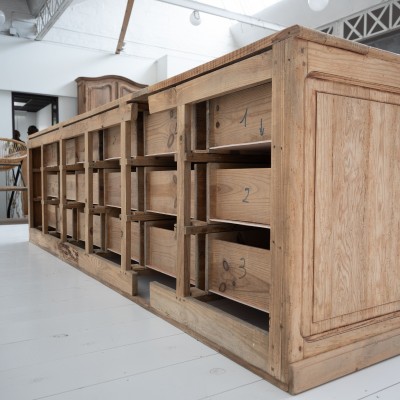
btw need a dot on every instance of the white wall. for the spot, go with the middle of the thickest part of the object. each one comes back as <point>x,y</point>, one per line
<point>23,120</point>
<point>43,118</point>
<point>168,66</point>
<point>46,68</point>
<point>5,114</point>
<point>5,131</point>
<point>67,108</point>
<point>155,29</point>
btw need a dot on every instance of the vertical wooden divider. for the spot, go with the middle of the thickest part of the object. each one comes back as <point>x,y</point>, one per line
<point>75,214</point>
<point>30,189</point>
<point>45,228</point>
<point>289,73</point>
<point>138,130</point>
<point>88,192</point>
<point>63,190</point>
<point>101,194</point>
<point>183,204</point>
<point>276,308</point>
<point>126,138</point>
<point>294,210</point>
<point>201,214</point>
<point>199,128</point>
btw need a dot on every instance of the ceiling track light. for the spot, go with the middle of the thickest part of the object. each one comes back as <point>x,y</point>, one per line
<point>195,18</point>
<point>317,5</point>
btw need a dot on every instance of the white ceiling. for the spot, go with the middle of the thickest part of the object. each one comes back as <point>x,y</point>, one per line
<point>157,29</point>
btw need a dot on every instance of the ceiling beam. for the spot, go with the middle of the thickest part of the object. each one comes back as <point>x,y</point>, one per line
<point>124,27</point>
<point>220,12</point>
<point>49,14</point>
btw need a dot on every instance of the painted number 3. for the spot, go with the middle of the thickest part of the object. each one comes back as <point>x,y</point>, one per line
<point>242,267</point>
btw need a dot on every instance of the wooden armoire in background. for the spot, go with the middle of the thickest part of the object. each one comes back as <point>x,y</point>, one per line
<point>94,92</point>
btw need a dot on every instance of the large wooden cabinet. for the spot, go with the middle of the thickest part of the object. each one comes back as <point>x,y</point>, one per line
<point>96,91</point>
<point>257,193</point>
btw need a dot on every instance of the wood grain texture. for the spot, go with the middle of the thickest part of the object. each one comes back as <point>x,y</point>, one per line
<point>71,187</point>
<point>224,330</point>
<point>356,192</point>
<point>120,111</point>
<point>35,185</point>
<point>63,191</point>
<point>88,142</point>
<point>161,192</point>
<point>112,142</point>
<point>161,244</point>
<point>241,273</point>
<point>380,74</point>
<point>344,360</point>
<point>81,228</point>
<point>160,132</point>
<point>98,94</point>
<point>80,149</point>
<point>241,117</point>
<point>53,185</point>
<point>70,149</point>
<point>43,189</point>
<point>162,101</point>
<point>112,189</point>
<point>50,156</point>
<point>52,217</point>
<point>289,72</point>
<point>185,196</point>
<point>77,184</point>
<point>291,196</point>
<point>97,267</point>
<point>249,72</point>
<point>125,192</point>
<point>240,195</point>
<point>30,183</point>
<point>114,237</point>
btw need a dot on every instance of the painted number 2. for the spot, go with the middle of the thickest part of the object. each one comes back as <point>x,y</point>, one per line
<point>246,192</point>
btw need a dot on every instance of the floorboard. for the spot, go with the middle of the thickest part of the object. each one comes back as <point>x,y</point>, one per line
<point>65,336</point>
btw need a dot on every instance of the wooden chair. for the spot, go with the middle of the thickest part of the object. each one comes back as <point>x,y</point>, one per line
<point>12,154</point>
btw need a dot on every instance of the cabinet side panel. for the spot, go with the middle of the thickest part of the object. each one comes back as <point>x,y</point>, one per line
<point>357,218</point>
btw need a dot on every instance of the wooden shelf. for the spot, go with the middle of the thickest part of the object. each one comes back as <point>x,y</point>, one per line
<point>13,189</point>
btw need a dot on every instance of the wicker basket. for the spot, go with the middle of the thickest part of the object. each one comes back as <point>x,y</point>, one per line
<point>12,152</point>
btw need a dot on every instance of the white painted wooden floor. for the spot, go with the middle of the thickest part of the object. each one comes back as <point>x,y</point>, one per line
<point>65,336</point>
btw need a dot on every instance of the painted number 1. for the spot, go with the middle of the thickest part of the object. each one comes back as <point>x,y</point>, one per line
<point>244,119</point>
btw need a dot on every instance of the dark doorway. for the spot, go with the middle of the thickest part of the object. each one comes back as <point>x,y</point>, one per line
<point>33,103</point>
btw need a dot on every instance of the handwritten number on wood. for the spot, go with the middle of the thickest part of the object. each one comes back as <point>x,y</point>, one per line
<point>171,139</point>
<point>247,192</point>
<point>262,129</point>
<point>244,119</point>
<point>242,266</point>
